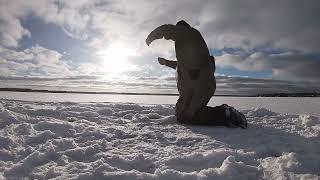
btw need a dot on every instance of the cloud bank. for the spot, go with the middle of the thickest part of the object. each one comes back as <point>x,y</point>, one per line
<point>167,85</point>
<point>278,37</point>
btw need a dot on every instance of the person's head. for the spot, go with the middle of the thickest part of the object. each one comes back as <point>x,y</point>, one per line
<point>183,23</point>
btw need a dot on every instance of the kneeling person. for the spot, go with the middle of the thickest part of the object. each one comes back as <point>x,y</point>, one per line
<point>195,78</point>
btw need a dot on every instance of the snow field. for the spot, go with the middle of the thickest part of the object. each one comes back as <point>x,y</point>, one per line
<point>64,140</point>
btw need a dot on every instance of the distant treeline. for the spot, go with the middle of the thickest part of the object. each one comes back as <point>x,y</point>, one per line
<point>80,92</point>
<point>159,94</point>
<point>290,95</point>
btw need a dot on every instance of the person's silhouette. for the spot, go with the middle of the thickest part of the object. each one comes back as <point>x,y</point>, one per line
<point>195,78</point>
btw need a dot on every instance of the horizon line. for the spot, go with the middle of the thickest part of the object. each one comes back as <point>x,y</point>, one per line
<point>156,94</point>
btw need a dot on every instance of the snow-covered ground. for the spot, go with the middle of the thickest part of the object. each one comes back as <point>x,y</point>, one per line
<point>306,105</point>
<point>65,140</point>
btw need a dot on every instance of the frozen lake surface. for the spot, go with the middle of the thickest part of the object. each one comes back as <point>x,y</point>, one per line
<point>73,136</point>
<point>308,105</point>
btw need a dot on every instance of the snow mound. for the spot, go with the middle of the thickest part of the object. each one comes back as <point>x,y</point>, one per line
<point>133,141</point>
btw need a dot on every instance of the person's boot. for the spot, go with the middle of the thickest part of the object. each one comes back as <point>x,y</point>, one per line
<point>235,118</point>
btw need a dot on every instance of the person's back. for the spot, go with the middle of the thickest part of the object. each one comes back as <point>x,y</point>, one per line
<point>191,48</point>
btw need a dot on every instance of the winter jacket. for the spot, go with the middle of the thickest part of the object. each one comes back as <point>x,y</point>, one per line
<point>195,67</point>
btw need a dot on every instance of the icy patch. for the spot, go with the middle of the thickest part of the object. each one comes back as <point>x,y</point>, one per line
<point>261,112</point>
<point>132,141</point>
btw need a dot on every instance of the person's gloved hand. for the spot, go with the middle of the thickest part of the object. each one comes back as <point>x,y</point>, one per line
<point>148,41</point>
<point>153,36</point>
<point>162,61</point>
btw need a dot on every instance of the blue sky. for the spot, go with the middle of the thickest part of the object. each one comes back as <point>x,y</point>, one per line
<point>103,42</point>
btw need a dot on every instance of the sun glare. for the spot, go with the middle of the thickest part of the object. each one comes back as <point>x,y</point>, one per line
<point>115,58</point>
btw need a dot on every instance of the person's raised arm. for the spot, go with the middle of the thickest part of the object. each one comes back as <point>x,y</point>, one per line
<point>167,31</point>
<point>169,63</point>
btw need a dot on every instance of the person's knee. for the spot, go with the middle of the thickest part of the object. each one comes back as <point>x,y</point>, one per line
<point>180,120</point>
<point>184,119</point>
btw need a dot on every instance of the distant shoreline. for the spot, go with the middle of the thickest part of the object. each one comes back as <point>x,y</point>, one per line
<point>157,94</point>
<point>80,92</point>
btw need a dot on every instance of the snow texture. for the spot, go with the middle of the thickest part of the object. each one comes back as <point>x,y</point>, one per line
<point>64,140</point>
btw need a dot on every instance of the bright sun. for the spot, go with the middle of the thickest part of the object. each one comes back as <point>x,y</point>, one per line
<point>115,58</point>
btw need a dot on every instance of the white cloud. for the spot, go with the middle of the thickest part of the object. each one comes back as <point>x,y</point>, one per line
<point>285,66</point>
<point>69,15</point>
<point>285,24</point>
<point>35,61</point>
<point>88,68</point>
<point>251,86</point>
<point>246,24</point>
<point>11,31</point>
<point>223,23</point>
<point>225,85</point>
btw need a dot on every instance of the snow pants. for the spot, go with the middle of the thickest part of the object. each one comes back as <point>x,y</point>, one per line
<point>196,87</point>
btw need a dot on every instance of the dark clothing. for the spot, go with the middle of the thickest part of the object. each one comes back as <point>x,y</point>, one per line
<point>191,49</point>
<point>214,116</point>
<point>195,74</point>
